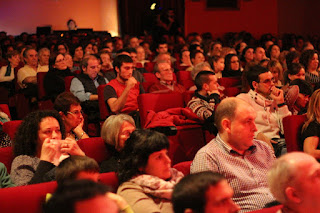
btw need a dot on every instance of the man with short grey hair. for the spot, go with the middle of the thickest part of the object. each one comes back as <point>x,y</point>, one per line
<point>294,180</point>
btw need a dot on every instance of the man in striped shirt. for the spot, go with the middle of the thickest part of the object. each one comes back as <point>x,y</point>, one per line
<point>235,154</point>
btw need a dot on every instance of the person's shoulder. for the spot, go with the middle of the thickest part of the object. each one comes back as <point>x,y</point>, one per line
<point>263,146</point>
<point>128,185</point>
<point>25,159</point>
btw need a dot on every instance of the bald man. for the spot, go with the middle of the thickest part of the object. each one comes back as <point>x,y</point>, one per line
<point>235,154</point>
<point>294,180</point>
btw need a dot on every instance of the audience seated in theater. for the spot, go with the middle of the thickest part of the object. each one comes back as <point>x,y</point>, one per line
<point>203,66</point>
<point>88,49</point>
<point>27,75</point>
<point>292,57</point>
<point>77,53</point>
<point>7,72</point>
<point>246,57</point>
<point>44,55</point>
<point>136,73</point>
<point>121,93</point>
<point>141,55</point>
<point>233,150</point>
<point>106,64</point>
<point>276,69</point>
<point>268,102</point>
<point>294,181</point>
<point>133,54</point>
<point>205,99</point>
<point>273,52</point>
<point>5,180</point>
<point>310,60</point>
<point>115,131</point>
<point>53,81</point>
<point>310,129</point>
<point>217,64</point>
<point>298,102</point>
<point>232,66</point>
<point>83,167</point>
<point>196,58</point>
<point>145,172</point>
<point>81,196</point>
<point>39,147</point>
<point>166,84</point>
<point>215,49</point>
<point>185,58</point>
<point>61,48</point>
<point>133,42</point>
<point>259,54</point>
<point>203,192</point>
<point>162,47</point>
<point>84,86</point>
<point>70,111</point>
<point>294,71</point>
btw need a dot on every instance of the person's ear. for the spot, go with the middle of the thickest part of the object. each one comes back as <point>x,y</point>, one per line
<point>84,69</point>
<point>292,195</point>
<point>254,84</point>
<point>205,86</point>
<point>117,69</point>
<point>62,115</point>
<point>226,125</point>
<point>157,75</point>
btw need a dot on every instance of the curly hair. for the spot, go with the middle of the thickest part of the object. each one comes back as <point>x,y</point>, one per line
<point>137,149</point>
<point>306,57</point>
<point>26,138</point>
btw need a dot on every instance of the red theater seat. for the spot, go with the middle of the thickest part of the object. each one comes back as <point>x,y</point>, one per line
<point>104,112</point>
<point>11,127</point>
<point>183,167</point>
<point>67,83</point>
<point>229,82</point>
<point>5,108</point>
<point>94,148</point>
<point>184,78</point>
<point>292,129</point>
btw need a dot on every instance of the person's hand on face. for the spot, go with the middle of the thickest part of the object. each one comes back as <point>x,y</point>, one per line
<point>70,146</point>
<point>131,82</point>
<point>277,95</point>
<point>50,151</point>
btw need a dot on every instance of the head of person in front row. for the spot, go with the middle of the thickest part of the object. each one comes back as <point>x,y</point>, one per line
<point>145,172</point>
<point>38,147</point>
<point>70,111</point>
<point>80,196</point>
<point>294,180</point>
<point>203,192</point>
<point>115,131</point>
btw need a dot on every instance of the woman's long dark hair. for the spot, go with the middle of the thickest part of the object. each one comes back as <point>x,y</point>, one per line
<point>137,150</point>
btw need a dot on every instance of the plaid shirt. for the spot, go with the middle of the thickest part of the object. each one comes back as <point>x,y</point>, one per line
<point>246,174</point>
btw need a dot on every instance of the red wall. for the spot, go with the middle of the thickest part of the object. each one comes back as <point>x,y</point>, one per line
<point>254,16</point>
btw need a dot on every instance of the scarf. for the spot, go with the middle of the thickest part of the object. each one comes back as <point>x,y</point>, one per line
<point>158,187</point>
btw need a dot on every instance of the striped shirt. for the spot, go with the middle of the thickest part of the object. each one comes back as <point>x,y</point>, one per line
<point>246,174</point>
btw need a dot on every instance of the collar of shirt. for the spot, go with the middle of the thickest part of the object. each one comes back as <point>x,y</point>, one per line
<point>229,149</point>
<point>165,83</point>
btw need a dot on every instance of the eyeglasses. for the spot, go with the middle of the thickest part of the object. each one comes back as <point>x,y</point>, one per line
<point>75,112</point>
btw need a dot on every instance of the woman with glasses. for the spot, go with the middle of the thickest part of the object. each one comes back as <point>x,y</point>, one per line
<point>232,66</point>
<point>70,111</point>
<point>39,147</point>
<point>54,80</point>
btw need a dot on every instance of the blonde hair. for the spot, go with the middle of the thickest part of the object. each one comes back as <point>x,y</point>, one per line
<point>111,128</point>
<point>274,64</point>
<point>313,113</point>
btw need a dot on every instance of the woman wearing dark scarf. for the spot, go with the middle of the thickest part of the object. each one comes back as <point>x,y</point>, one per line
<point>145,172</point>
<point>7,72</point>
<point>54,80</point>
<point>232,66</point>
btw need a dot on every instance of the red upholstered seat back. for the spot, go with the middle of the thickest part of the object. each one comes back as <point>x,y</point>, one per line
<point>229,81</point>
<point>149,66</point>
<point>104,112</point>
<point>11,127</point>
<point>183,167</point>
<point>5,108</point>
<point>94,148</point>
<point>157,103</point>
<point>110,179</point>
<point>6,157</point>
<point>184,78</point>
<point>67,83</point>
<point>27,199</point>
<point>292,129</point>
